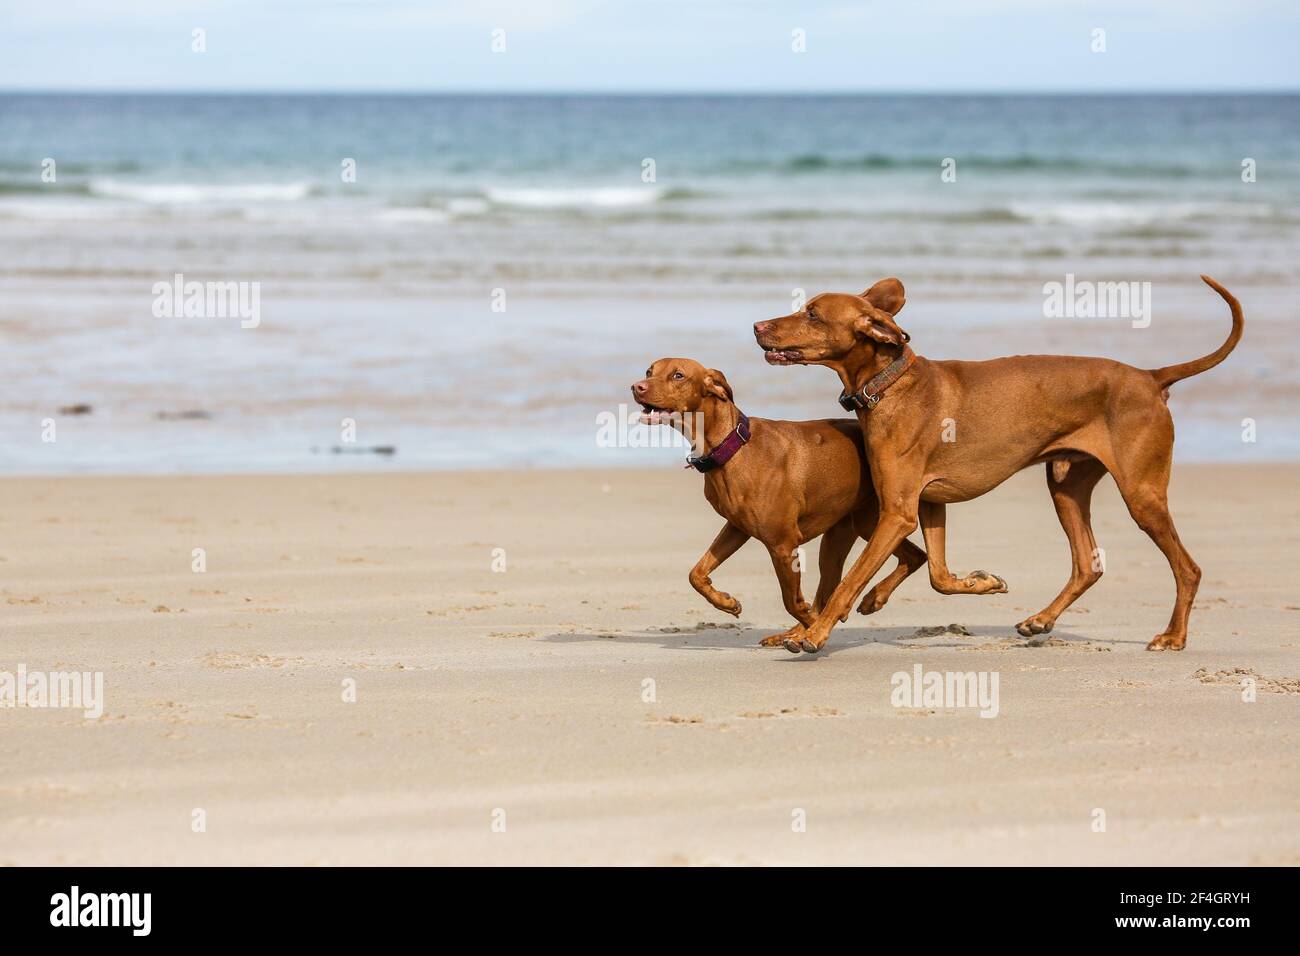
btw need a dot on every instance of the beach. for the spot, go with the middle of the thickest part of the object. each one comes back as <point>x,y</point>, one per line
<point>532,680</point>
<point>371,563</point>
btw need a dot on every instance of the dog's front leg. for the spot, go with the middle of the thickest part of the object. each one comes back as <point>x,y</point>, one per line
<point>727,543</point>
<point>892,528</point>
<point>785,561</point>
<point>934,518</point>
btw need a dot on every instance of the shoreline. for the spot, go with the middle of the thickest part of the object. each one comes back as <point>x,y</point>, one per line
<point>502,404</point>
<point>667,466</point>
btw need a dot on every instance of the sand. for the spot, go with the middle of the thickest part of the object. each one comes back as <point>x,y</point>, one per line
<point>505,716</point>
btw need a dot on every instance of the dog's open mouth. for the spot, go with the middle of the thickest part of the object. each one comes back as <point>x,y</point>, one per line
<point>782,356</point>
<point>654,415</point>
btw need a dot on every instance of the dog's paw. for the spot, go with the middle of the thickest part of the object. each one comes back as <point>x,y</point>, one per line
<point>797,641</point>
<point>982,582</point>
<point>872,603</point>
<point>1034,625</point>
<point>780,640</point>
<point>727,604</point>
<point>1168,642</point>
<point>807,642</point>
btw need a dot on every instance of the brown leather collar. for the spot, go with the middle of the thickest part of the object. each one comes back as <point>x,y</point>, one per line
<point>868,396</point>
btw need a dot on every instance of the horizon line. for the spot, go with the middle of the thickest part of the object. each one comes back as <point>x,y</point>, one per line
<point>630,92</point>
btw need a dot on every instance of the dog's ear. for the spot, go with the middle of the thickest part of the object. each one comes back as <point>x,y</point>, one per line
<point>715,383</point>
<point>877,324</point>
<point>886,295</point>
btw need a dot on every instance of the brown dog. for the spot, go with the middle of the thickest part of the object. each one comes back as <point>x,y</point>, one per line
<point>1083,416</point>
<point>783,483</point>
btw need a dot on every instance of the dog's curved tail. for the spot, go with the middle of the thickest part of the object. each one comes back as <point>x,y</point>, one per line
<point>1176,373</point>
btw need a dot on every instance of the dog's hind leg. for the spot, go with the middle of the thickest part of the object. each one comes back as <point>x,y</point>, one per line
<point>1142,474</point>
<point>1071,489</point>
<point>835,547</point>
<point>785,562</point>
<point>933,517</point>
<point>727,543</point>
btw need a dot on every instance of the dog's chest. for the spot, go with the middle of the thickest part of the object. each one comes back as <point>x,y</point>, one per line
<point>734,498</point>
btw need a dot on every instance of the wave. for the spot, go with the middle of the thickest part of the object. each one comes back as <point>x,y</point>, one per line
<point>159,194</point>
<point>1152,216</point>
<point>174,194</point>
<point>816,162</point>
<point>1143,214</point>
<point>597,197</point>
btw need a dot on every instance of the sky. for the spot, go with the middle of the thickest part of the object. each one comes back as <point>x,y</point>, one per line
<point>651,45</point>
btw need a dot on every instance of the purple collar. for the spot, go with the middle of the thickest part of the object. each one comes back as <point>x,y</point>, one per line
<point>725,450</point>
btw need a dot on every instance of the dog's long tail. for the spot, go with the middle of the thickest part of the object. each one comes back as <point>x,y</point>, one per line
<point>1176,373</point>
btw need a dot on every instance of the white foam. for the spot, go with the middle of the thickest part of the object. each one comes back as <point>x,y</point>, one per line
<point>190,193</point>
<point>604,197</point>
<point>467,206</point>
<point>1134,213</point>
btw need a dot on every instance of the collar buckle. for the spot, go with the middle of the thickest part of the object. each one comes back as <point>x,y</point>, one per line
<point>868,396</point>
<point>724,451</point>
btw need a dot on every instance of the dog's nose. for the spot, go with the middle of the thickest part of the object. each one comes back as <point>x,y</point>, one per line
<point>640,387</point>
<point>762,328</point>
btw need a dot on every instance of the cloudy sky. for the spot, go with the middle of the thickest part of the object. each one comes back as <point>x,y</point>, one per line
<point>605,45</point>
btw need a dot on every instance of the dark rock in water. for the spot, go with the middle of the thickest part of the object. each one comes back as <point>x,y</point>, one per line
<point>81,408</point>
<point>364,450</point>
<point>190,415</point>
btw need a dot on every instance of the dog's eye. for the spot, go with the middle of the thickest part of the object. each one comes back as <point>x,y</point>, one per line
<point>812,314</point>
<point>678,375</point>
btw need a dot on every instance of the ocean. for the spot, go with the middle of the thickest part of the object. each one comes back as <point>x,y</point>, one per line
<point>474,281</point>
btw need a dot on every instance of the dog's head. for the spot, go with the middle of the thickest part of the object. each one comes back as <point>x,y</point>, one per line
<point>834,324</point>
<point>675,386</point>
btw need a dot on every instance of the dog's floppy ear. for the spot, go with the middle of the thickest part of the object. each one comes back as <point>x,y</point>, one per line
<point>886,295</point>
<point>877,324</point>
<point>715,383</point>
